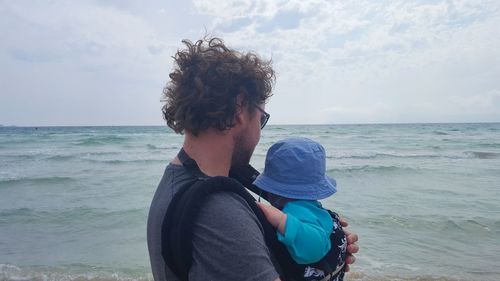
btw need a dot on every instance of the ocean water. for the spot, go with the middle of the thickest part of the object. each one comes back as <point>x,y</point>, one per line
<point>424,198</point>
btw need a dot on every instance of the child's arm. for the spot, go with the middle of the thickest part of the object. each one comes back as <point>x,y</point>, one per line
<point>275,216</point>
<point>306,240</point>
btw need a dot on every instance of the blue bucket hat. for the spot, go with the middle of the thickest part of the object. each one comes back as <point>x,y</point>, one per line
<point>295,168</point>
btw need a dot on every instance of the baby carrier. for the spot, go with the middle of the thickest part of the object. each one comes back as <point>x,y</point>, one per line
<point>178,225</point>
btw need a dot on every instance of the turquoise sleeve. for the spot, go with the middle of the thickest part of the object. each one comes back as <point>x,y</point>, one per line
<point>307,232</point>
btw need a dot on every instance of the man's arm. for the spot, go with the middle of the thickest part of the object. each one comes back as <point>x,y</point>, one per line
<point>228,242</point>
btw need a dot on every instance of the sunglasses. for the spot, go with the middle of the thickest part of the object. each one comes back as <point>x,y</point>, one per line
<point>263,118</point>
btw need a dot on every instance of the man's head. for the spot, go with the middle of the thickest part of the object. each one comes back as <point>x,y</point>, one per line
<point>211,84</point>
<point>217,89</point>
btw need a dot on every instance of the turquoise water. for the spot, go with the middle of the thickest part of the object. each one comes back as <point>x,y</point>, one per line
<point>424,198</point>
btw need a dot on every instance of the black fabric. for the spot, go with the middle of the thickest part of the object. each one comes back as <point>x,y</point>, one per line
<point>246,175</point>
<point>175,235</point>
<point>333,263</point>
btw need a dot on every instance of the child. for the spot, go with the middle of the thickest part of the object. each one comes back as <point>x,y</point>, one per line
<point>294,176</point>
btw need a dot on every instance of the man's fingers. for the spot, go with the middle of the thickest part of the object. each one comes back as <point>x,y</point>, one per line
<point>351,238</point>
<point>350,259</point>
<point>352,249</point>
<point>343,222</point>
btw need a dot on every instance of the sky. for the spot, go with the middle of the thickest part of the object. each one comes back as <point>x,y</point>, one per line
<point>78,63</point>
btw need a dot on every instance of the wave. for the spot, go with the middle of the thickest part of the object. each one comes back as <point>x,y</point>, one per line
<point>121,161</point>
<point>466,154</point>
<point>440,133</point>
<point>95,273</point>
<point>61,157</point>
<point>15,141</point>
<point>482,154</point>
<point>489,145</point>
<point>75,272</point>
<point>101,140</point>
<point>369,169</point>
<point>102,153</point>
<point>101,218</point>
<point>361,276</point>
<point>58,157</point>
<point>154,147</point>
<point>22,156</point>
<point>80,155</point>
<point>446,224</point>
<point>389,155</point>
<point>35,181</point>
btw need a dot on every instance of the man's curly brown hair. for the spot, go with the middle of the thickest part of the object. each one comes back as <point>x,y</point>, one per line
<point>207,78</point>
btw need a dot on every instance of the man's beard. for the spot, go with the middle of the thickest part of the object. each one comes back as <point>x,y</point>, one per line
<point>242,152</point>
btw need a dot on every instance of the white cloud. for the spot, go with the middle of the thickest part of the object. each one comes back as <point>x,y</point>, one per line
<point>363,52</point>
<point>368,61</point>
<point>486,102</point>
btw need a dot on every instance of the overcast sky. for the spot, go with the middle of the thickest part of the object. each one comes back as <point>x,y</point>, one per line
<point>106,62</point>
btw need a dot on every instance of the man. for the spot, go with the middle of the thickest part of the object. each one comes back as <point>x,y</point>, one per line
<point>216,98</point>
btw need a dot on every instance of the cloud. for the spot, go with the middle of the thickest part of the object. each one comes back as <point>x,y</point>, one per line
<point>282,20</point>
<point>358,113</point>
<point>80,31</point>
<point>370,53</point>
<point>488,102</point>
<point>367,61</point>
<point>77,63</point>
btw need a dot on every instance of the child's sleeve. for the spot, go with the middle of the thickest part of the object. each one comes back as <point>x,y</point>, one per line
<point>307,232</point>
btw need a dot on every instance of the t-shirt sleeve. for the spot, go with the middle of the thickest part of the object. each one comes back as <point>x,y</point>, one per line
<point>307,232</point>
<point>228,242</point>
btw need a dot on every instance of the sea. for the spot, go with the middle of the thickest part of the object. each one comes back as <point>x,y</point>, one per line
<point>423,198</point>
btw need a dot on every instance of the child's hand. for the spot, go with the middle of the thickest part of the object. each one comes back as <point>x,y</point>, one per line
<point>276,217</point>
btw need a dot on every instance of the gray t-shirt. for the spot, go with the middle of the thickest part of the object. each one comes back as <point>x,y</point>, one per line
<point>228,239</point>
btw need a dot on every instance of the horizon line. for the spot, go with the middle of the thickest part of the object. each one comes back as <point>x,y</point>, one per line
<point>304,124</point>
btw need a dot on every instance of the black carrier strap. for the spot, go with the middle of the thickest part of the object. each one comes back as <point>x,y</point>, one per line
<point>246,175</point>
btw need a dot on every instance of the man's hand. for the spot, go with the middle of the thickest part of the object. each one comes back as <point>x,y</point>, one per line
<point>352,248</point>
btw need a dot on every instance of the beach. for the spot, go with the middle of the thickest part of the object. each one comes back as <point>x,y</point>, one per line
<point>424,198</point>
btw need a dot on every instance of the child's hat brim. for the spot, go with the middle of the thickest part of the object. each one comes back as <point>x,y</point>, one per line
<point>326,187</point>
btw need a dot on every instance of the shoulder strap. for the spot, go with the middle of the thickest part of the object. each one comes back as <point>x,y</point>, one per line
<point>175,246</point>
<point>246,175</point>
<point>177,228</point>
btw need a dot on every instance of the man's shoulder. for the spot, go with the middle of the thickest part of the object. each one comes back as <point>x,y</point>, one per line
<point>174,178</point>
<point>227,205</point>
<point>226,236</point>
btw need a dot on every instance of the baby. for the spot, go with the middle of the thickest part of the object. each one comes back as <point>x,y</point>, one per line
<point>294,175</point>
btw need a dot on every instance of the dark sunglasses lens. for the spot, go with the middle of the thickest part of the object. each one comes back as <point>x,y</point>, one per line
<point>264,117</point>
<point>263,120</point>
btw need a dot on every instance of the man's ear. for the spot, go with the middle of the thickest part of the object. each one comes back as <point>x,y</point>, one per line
<point>240,110</point>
